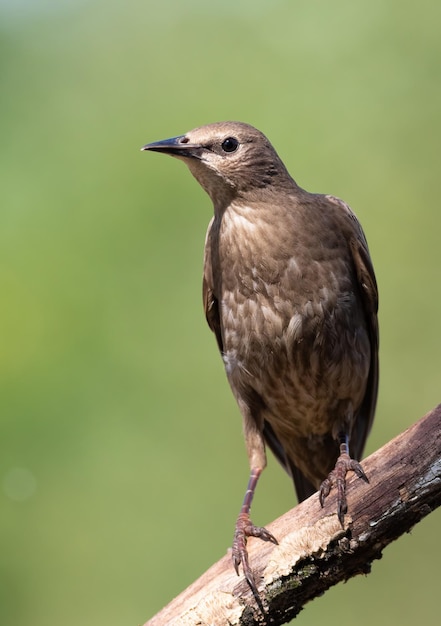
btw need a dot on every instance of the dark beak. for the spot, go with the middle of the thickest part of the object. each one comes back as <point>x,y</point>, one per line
<point>176,146</point>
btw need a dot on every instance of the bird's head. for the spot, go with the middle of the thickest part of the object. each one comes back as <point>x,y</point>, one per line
<point>228,159</point>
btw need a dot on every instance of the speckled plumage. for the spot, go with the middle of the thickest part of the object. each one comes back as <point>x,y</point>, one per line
<point>290,293</point>
<point>293,329</point>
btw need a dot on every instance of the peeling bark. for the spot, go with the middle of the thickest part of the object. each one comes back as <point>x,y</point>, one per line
<point>314,551</point>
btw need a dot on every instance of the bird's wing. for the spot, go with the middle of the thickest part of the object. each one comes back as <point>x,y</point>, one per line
<point>211,304</point>
<point>369,293</point>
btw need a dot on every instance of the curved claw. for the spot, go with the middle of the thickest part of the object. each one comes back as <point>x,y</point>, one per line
<point>337,478</point>
<point>244,529</point>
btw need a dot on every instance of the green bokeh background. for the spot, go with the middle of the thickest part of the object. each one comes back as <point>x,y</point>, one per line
<point>122,464</point>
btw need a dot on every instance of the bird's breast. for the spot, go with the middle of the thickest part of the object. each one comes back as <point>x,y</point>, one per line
<point>292,321</point>
<point>304,362</point>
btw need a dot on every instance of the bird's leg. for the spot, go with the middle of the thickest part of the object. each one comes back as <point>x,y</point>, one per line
<point>337,477</point>
<point>244,529</point>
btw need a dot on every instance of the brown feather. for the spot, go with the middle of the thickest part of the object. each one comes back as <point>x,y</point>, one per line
<point>290,293</point>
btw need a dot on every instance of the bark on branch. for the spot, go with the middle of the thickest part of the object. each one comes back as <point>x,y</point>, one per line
<point>314,551</point>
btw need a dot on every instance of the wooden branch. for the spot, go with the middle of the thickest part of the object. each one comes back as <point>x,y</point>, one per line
<point>314,551</point>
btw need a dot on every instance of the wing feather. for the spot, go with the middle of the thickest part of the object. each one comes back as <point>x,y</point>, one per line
<point>211,304</point>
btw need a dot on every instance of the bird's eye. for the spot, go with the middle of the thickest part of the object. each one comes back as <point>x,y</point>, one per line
<point>230,144</point>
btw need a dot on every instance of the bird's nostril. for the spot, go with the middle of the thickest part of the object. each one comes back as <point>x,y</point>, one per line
<point>184,140</point>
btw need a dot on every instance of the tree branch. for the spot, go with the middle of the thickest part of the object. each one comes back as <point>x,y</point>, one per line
<point>314,551</point>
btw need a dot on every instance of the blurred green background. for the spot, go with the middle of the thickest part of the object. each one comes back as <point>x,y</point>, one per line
<point>122,464</point>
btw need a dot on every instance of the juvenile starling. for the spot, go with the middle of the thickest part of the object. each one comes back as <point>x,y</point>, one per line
<point>290,293</point>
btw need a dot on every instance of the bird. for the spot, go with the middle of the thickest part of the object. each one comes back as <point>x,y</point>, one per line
<point>290,293</point>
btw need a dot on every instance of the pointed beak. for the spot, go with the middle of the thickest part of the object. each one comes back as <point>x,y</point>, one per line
<point>176,146</point>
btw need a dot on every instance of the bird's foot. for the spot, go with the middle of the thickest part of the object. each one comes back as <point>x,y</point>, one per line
<point>244,529</point>
<point>337,478</point>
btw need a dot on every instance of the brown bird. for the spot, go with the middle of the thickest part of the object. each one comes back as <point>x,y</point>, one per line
<point>290,293</point>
